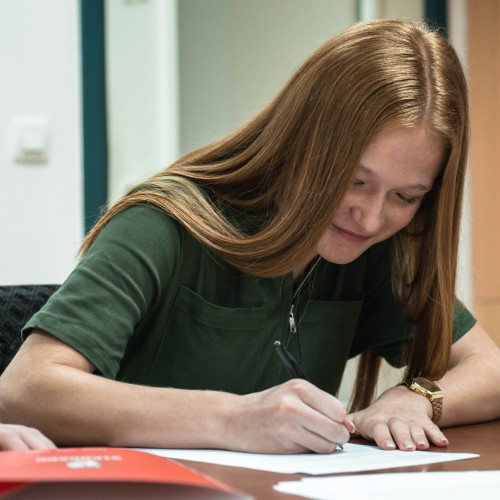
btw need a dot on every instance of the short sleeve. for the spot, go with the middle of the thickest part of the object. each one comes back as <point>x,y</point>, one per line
<point>463,320</point>
<point>114,287</point>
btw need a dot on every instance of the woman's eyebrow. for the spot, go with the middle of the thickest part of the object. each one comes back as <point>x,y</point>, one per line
<point>366,170</point>
<point>371,173</point>
<point>421,187</point>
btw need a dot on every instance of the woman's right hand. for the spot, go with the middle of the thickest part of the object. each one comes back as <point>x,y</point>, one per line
<point>21,438</point>
<point>294,417</point>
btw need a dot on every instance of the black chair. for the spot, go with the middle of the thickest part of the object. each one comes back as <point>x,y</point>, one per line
<point>17,304</point>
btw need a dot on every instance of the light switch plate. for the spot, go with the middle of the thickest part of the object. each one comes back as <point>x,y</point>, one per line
<point>29,139</point>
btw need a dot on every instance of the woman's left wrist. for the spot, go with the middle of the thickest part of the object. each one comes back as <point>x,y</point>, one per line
<point>430,391</point>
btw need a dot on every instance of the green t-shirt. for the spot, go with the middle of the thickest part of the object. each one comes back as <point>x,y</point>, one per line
<point>150,305</point>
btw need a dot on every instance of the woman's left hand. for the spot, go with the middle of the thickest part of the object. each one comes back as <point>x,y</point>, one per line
<point>400,419</point>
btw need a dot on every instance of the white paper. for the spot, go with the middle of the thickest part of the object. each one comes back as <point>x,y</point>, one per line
<point>354,458</point>
<point>407,485</point>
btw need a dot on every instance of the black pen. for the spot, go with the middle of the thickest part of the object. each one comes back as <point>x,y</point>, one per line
<point>289,361</point>
<point>291,364</point>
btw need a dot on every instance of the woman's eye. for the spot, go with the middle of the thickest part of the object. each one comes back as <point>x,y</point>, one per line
<point>409,200</point>
<point>358,183</point>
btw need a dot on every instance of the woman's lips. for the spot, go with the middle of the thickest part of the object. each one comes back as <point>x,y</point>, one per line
<point>350,236</point>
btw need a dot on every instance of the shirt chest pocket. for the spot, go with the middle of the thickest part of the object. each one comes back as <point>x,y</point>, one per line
<point>208,346</point>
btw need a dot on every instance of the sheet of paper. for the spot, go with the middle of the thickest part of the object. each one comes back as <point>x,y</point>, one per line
<point>354,458</point>
<point>407,485</point>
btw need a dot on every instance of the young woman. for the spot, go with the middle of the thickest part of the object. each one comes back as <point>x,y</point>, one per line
<point>328,223</point>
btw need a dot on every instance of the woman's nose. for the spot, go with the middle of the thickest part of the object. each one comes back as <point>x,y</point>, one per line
<point>369,215</point>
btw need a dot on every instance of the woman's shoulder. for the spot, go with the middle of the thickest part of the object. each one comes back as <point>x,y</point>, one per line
<point>145,213</point>
<point>140,229</point>
<point>143,221</point>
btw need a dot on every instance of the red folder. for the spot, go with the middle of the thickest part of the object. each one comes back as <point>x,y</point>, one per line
<point>78,473</point>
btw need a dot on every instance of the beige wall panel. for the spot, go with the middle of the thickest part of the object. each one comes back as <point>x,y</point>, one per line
<point>489,315</point>
<point>484,77</point>
<point>401,8</point>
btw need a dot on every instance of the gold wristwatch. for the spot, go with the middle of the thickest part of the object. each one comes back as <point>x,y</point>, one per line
<point>430,391</point>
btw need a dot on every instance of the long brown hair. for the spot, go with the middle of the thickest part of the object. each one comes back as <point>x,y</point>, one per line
<point>294,162</point>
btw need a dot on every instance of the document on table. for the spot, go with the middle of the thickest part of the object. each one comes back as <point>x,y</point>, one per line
<point>407,485</point>
<point>353,458</point>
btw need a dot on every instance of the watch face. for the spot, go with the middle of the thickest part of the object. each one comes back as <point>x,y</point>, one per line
<point>426,384</point>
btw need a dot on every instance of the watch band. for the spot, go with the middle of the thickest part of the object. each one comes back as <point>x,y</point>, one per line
<point>430,391</point>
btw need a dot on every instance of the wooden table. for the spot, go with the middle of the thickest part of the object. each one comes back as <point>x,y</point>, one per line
<point>481,438</point>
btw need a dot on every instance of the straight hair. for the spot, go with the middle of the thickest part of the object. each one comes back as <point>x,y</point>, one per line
<point>290,167</point>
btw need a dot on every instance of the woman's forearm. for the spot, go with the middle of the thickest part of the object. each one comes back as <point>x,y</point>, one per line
<point>50,386</point>
<point>77,408</point>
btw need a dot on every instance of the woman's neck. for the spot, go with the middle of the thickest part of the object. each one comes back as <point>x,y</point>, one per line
<point>304,268</point>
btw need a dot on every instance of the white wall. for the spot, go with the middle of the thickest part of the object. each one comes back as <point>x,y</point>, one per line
<point>236,54</point>
<point>371,9</point>
<point>41,213</point>
<point>181,73</point>
<point>141,86</point>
